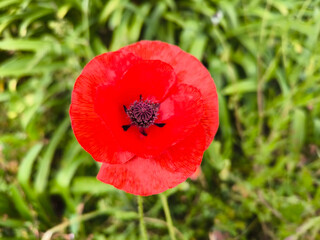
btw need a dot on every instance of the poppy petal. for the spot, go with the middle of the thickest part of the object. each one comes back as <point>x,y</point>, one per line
<point>147,176</point>
<point>189,70</point>
<point>106,68</point>
<point>91,132</point>
<point>150,79</point>
<point>186,155</point>
<point>181,111</point>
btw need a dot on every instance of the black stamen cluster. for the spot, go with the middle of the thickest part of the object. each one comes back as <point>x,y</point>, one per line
<point>143,113</point>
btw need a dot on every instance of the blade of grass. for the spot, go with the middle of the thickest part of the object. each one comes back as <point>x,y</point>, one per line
<point>42,175</point>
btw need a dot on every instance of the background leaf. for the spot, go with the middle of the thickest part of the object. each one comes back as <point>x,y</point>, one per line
<point>259,178</point>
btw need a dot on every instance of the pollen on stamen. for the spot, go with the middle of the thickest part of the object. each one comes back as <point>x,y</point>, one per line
<point>142,113</point>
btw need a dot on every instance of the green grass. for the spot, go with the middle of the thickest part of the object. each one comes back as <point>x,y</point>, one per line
<point>260,177</point>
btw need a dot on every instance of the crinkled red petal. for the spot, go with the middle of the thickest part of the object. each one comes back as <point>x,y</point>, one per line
<point>152,79</point>
<point>180,113</point>
<point>185,155</point>
<point>147,176</point>
<point>189,70</point>
<point>91,132</point>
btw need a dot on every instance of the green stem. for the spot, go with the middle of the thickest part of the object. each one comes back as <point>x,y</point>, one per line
<point>168,216</point>
<point>143,230</point>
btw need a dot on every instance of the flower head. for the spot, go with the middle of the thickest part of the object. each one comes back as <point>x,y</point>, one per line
<point>147,112</point>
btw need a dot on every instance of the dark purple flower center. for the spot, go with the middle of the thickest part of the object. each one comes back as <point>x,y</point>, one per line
<point>143,114</point>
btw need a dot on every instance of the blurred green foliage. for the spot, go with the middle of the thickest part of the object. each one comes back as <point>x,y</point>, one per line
<point>260,177</point>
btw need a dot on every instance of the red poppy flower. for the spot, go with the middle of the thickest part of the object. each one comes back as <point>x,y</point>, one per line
<point>147,112</point>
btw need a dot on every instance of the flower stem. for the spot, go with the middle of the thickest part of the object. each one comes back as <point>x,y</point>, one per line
<point>143,230</point>
<point>168,216</point>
